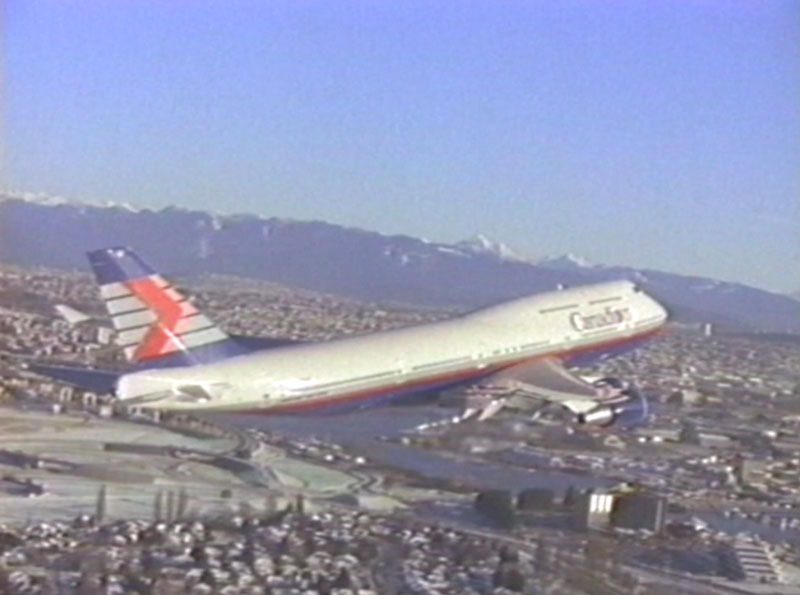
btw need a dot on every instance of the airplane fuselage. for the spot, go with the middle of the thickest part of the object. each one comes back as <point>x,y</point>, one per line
<point>572,324</point>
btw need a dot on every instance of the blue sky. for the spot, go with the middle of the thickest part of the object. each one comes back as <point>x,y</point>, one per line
<point>650,133</point>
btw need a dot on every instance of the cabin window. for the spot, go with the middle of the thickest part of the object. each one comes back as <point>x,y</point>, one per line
<point>558,308</point>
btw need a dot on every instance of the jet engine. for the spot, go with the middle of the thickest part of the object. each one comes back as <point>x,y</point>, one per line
<point>626,407</point>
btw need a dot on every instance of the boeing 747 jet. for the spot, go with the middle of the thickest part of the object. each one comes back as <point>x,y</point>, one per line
<point>508,353</point>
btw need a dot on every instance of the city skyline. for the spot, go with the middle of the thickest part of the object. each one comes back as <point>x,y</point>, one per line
<point>660,137</point>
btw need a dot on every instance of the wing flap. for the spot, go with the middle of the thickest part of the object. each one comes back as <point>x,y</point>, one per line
<point>546,378</point>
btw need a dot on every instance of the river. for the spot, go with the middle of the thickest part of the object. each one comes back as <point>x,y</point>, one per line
<point>366,431</point>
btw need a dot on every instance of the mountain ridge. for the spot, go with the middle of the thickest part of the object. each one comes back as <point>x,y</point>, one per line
<point>350,261</point>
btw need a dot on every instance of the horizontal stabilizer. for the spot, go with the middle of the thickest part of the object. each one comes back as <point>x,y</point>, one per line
<point>98,381</point>
<point>71,315</point>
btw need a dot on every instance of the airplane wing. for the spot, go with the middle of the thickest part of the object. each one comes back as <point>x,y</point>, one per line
<point>548,380</point>
<point>527,385</point>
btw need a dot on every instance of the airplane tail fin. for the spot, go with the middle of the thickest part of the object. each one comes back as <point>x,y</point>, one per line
<point>155,324</point>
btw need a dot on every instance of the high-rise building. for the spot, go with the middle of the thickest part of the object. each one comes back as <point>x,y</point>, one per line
<point>592,510</point>
<point>639,511</point>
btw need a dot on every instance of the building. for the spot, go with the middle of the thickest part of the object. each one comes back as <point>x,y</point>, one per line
<point>753,562</point>
<point>689,434</point>
<point>750,471</point>
<point>536,499</point>
<point>685,396</point>
<point>712,440</point>
<point>105,335</point>
<point>592,510</point>
<point>639,511</point>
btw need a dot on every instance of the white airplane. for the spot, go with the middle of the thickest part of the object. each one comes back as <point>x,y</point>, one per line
<point>181,360</point>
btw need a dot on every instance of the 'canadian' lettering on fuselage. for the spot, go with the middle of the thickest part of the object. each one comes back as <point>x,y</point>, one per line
<point>588,322</point>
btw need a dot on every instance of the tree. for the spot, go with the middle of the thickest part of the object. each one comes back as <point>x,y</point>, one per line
<point>497,505</point>
<point>497,577</point>
<point>183,504</point>
<point>570,496</point>
<point>342,580</point>
<point>100,505</point>
<point>9,541</point>
<point>541,560</point>
<point>5,583</point>
<point>158,506</point>
<point>199,555</point>
<point>514,580</point>
<point>507,554</point>
<point>269,504</point>
<point>208,578</point>
<point>323,586</point>
<point>170,506</point>
<point>508,576</point>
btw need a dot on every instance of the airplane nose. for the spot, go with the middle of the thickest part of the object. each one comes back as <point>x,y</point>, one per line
<point>663,313</point>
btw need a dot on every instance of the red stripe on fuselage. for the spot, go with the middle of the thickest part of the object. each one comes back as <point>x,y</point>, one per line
<point>161,336</point>
<point>450,378</point>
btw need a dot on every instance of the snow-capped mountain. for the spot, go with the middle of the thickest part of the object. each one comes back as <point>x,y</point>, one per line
<point>55,201</point>
<point>480,244</point>
<point>36,230</point>
<point>564,262</point>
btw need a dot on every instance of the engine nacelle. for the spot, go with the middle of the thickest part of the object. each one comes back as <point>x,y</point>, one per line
<point>630,409</point>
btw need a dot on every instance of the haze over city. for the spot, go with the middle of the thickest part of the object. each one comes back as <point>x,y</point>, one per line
<point>661,135</point>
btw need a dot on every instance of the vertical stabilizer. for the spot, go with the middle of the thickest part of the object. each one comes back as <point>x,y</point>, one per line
<point>153,321</point>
